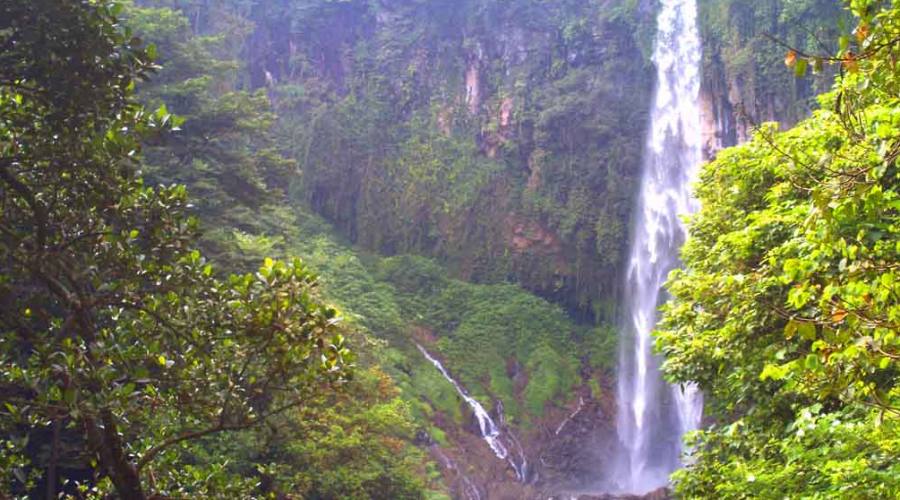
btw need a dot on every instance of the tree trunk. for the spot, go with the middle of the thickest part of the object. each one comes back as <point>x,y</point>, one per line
<point>105,441</point>
<point>54,458</point>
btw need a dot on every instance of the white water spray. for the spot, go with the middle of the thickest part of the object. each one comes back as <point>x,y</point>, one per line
<point>652,415</point>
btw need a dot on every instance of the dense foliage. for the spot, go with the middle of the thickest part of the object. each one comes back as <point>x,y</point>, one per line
<point>431,160</point>
<point>224,153</point>
<point>788,308</point>
<point>500,341</point>
<point>119,347</point>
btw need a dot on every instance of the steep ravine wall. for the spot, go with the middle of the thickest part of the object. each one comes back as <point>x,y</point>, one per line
<point>504,137</point>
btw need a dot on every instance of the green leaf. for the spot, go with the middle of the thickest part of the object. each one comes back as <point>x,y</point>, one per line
<point>811,362</point>
<point>843,43</point>
<point>773,372</point>
<point>161,112</point>
<point>69,395</point>
<point>807,330</point>
<point>790,329</point>
<point>800,67</point>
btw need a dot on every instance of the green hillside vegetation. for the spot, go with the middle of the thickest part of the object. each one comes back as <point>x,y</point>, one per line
<point>480,330</point>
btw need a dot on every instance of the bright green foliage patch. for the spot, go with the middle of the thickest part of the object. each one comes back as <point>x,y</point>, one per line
<point>499,341</point>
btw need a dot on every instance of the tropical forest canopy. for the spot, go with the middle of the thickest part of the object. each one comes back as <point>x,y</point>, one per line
<point>227,227</point>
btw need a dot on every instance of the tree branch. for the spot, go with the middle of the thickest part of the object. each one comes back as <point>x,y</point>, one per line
<point>153,452</point>
<point>40,213</point>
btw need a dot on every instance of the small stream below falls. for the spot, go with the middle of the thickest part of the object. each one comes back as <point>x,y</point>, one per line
<point>501,441</point>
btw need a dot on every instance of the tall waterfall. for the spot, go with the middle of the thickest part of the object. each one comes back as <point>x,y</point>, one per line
<point>652,415</point>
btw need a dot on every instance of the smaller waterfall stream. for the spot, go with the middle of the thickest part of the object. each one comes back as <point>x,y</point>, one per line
<point>490,432</point>
<point>572,415</point>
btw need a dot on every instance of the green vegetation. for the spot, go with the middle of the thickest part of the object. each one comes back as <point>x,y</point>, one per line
<point>498,340</point>
<point>788,309</point>
<point>205,205</point>
<point>225,151</point>
<point>119,347</point>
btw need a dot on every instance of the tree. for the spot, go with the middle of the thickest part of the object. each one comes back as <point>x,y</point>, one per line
<point>118,345</point>
<point>788,308</point>
<point>225,151</point>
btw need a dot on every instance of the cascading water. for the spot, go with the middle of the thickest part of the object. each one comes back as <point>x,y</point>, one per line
<point>652,415</point>
<point>490,432</point>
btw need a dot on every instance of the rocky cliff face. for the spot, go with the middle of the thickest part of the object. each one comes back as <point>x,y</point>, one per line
<point>431,127</point>
<point>502,136</point>
<point>745,81</point>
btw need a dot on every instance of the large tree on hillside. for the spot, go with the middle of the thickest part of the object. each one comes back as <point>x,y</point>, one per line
<point>118,345</point>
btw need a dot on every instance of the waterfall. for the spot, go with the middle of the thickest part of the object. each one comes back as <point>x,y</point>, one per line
<point>490,432</point>
<point>652,415</point>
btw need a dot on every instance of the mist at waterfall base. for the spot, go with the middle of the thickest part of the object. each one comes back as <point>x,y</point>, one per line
<point>652,415</point>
